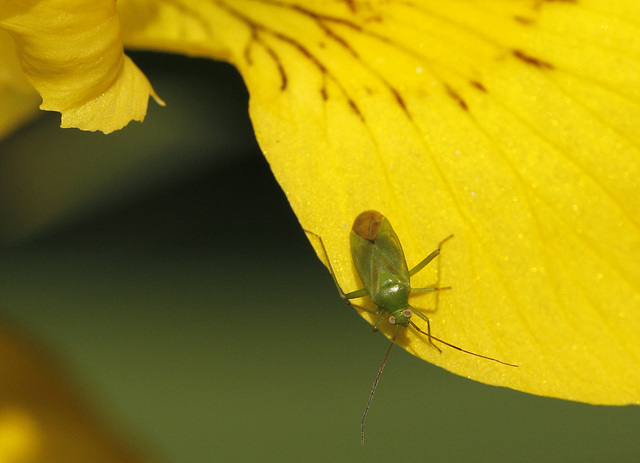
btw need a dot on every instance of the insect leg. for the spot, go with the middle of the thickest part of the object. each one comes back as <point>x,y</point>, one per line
<point>436,288</point>
<point>426,319</point>
<point>429,289</point>
<point>355,294</point>
<point>460,348</point>
<point>378,321</point>
<point>374,312</point>
<point>429,258</point>
<point>352,295</point>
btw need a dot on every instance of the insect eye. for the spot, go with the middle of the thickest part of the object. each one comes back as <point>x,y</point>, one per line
<point>392,320</point>
<point>407,313</point>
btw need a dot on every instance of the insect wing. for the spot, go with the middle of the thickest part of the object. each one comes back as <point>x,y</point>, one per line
<point>380,260</point>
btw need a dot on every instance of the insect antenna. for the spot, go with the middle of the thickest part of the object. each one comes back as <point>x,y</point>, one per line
<point>456,347</point>
<point>375,384</point>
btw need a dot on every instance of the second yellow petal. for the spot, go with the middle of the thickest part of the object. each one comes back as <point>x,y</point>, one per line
<point>72,53</point>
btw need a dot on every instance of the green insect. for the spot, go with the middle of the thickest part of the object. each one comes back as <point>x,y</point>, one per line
<point>382,268</point>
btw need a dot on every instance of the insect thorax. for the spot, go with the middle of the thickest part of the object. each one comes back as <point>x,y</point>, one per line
<point>392,295</point>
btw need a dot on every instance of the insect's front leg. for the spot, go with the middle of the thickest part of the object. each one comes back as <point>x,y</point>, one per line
<point>426,319</point>
<point>378,311</point>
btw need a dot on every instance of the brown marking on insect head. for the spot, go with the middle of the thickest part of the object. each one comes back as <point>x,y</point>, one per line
<point>367,225</point>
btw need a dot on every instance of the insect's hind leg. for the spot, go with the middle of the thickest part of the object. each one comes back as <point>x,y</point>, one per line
<point>436,288</point>
<point>352,295</point>
<point>424,262</point>
<point>429,289</point>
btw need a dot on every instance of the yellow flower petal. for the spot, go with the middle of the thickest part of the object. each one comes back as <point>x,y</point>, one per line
<point>512,125</point>
<point>71,52</point>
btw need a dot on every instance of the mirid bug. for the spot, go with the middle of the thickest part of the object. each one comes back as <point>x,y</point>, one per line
<point>382,268</point>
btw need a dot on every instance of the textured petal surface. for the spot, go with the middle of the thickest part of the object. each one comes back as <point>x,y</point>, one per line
<point>71,52</point>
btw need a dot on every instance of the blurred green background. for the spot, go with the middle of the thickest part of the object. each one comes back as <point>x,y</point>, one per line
<point>163,266</point>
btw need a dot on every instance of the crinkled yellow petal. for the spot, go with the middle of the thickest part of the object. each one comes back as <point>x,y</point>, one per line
<point>511,124</point>
<point>71,52</point>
